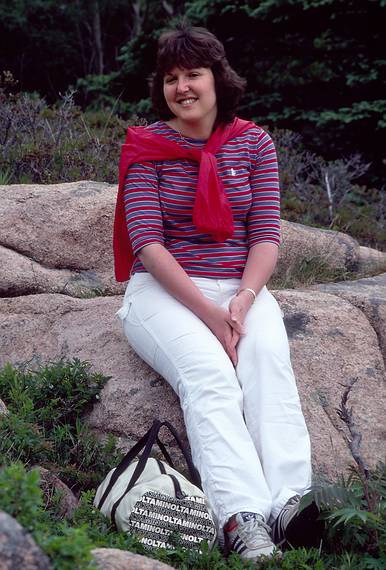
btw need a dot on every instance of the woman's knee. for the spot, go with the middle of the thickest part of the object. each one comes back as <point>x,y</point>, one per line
<point>211,381</point>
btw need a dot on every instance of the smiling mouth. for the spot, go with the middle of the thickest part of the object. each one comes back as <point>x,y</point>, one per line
<point>186,102</point>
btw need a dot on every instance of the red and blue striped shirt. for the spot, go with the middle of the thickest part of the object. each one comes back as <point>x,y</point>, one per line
<point>159,200</point>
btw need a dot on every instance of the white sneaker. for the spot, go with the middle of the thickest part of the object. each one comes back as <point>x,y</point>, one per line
<point>249,536</point>
<point>298,527</point>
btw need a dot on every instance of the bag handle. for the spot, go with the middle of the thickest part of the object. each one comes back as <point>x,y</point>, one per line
<point>165,452</point>
<point>193,472</point>
<point>147,442</point>
<point>151,438</point>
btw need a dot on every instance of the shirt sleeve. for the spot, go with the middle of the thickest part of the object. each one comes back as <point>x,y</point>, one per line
<point>142,206</point>
<point>263,222</point>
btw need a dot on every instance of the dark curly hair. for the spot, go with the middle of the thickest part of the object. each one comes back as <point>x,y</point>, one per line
<point>189,47</point>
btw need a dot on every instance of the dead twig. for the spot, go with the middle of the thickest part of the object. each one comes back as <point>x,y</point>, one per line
<point>354,440</point>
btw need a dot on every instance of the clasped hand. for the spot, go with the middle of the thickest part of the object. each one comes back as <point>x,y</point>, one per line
<point>228,325</point>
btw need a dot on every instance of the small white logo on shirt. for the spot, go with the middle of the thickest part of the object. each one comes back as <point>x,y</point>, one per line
<point>232,172</point>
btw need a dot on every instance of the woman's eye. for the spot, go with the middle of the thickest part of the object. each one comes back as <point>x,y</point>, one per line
<point>169,80</point>
<point>194,74</point>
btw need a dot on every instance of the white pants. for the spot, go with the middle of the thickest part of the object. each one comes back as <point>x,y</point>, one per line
<point>245,426</point>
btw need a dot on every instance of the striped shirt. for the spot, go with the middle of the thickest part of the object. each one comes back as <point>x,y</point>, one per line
<point>159,200</point>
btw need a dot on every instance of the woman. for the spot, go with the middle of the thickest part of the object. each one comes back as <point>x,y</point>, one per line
<point>199,201</point>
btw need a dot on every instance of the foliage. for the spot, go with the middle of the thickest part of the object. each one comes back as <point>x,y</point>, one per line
<point>355,510</point>
<point>20,494</point>
<point>49,144</point>
<point>308,271</point>
<point>311,65</point>
<point>44,422</point>
<point>46,144</point>
<point>49,44</point>
<point>69,543</point>
<point>355,506</point>
<point>323,193</point>
<point>69,548</point>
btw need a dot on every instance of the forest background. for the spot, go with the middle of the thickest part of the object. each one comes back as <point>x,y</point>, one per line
<point>315,71</point>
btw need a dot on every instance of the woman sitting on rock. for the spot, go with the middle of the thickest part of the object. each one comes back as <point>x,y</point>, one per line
<point>197,228</point>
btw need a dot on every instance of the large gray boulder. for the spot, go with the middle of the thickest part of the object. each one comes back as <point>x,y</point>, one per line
<point>59,296</point>
<point>368,295</point>
<point>115,559</point>
<point>58,239</point>
<point>18,550</point>
<point>331,341</point>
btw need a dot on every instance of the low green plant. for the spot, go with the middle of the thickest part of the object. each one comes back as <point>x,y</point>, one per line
<point>69,543</point>
<point>45,426</point>
<point>329,194</point>
<point>354,507</point>
<point>5,176</point>
<point>308,271</point>
<point>355,512</point>
<point>53,394</point>
<point>20,494</point>
<point>69,549</point>
<point>58,143</point>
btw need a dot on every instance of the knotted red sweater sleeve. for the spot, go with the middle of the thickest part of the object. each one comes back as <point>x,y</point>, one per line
<point>212,212</point>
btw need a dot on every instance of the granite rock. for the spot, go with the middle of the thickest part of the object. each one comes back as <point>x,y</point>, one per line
<point>50,484</point>
<point>115,559</point>
<point>331,342</point>
<point>368,295</point>
<point>18,550</point>
<point>58,239</point>
<point>3,409</point>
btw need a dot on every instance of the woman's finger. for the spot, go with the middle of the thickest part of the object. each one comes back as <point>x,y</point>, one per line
<point>235,339</point>
<point>236,325</point>
<point>230,347</point>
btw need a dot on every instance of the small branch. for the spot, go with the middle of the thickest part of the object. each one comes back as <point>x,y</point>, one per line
<point>355,439</point>
<point>329,194</point>
<point>354,443</point>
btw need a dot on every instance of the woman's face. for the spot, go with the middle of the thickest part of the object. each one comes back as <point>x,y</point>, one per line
<point>190,94</point>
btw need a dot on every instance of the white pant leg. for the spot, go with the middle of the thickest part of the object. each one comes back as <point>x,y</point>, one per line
<point>271,403</point>
<point>178,345</point>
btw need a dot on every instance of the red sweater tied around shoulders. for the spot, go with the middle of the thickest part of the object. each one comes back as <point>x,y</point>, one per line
<point>212,213</point>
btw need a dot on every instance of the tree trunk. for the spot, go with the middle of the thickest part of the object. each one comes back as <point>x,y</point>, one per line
<point>139,7</point>
<point>96,28</point>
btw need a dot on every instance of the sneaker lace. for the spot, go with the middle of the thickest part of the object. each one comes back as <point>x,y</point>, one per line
<point>255,532</point>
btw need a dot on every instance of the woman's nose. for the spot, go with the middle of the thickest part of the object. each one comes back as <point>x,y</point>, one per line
<point>182,85</point>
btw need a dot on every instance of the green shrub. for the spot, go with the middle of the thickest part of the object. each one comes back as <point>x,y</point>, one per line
<point>326,194</point>
<point>69,549</point>
<point>60,143</point>
<point>355,507</point>
<point>20,494</point>
<point>52,395</point>
<point>45,425</point>
<point>42,144</point>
